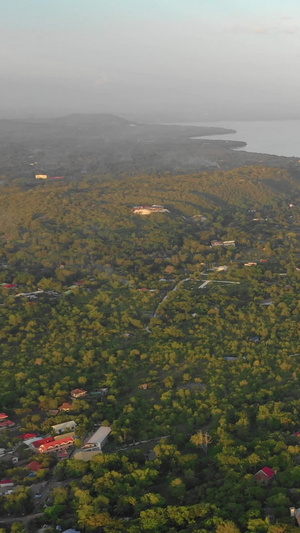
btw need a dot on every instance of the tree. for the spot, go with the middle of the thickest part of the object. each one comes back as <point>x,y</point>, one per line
<point>18,527</point>
<point>202,440</point>
<point>227,527</point>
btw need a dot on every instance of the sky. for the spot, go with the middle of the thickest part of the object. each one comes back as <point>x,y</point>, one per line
<point>202,58</point>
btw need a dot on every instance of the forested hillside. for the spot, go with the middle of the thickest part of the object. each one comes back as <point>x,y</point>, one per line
<point>190,319</point>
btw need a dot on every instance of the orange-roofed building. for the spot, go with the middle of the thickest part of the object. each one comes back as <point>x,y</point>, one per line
<point>78,393</point>
<point>66,407</point>
<point>3,416</point>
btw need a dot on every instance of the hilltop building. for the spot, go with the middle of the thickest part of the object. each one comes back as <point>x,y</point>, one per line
<point>149,209</point>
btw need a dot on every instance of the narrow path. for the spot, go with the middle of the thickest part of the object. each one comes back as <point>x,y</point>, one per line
<point>202,286</point>
<point>141,442</point>
<point>164,299</point>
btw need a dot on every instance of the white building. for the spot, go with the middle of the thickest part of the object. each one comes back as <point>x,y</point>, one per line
<point>64,427</point>
<point>98,440</point>
<point>148,209</point>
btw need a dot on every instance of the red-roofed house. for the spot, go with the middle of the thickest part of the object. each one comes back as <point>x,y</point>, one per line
<point>265,475</point>
<point>10,285</point>
<point>34,466</point>
<point>3,416</point>
<point>6,483</point>
<point>56,445</point>
<point>6,424</point>
<point>27,436</point>
<point>78,393</point>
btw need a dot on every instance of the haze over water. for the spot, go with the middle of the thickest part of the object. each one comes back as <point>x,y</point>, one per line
<point>276,137</point>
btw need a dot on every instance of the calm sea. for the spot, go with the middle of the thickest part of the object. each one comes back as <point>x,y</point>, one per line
<point>277,137</point>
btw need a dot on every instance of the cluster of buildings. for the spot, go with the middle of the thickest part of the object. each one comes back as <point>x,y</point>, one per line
<point>61,441</point>
<point>5,423</point>
<point>149,209</point>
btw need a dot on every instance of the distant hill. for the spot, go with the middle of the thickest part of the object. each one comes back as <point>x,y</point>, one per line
<point>77,145</point>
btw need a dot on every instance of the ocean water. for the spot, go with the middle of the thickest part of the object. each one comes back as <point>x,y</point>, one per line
<point>276,137</point>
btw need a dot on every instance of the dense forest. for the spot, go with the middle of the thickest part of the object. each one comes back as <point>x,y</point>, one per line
<point>196,342</point>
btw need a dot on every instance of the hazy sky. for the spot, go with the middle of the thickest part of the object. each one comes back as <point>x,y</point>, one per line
<point>149,55</point>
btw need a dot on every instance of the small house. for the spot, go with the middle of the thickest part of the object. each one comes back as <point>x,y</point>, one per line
<point>64,427</point>
<point>9,457</point>
<point>53,412</point>
<point>34,466</point>
<point>6,483</point>
<point>41,176</point>
<point>66,406</point>
<point>103,392</point>
<point>216,243</point>
<point>265,475</point>
<point>221,268</point>
<point>26,436</point>
<point>78,393</point>
<point>6,424</point>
